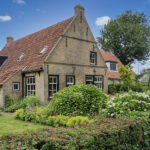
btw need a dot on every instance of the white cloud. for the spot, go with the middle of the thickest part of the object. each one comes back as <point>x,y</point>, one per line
<point>21,2</point>
<point>5,18</point>
<point>102,20</point>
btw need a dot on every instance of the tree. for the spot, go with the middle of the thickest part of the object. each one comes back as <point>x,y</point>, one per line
<point>126,74</point>
<point>128,36</point>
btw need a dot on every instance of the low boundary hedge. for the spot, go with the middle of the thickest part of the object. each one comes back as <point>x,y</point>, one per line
<point>114,134</point>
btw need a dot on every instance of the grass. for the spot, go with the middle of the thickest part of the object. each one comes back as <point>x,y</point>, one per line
<point>8,125</point>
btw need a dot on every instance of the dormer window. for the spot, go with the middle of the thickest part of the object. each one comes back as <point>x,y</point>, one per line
<point>93,58</point>
<point>113,66</point>
<point>43,50</point>
<point>21,56</point>
<point>2,60</point>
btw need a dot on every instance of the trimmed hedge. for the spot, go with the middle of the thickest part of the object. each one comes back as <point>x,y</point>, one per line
<point>114,88</point>
<point>77,100</point>
<point>114,134</point>
<point>39,116</point>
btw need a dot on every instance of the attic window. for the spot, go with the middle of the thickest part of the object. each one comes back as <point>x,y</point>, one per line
<point>43,50</point>
<point>21,56</point>
<point>113,66</point>
<point>2,60</point>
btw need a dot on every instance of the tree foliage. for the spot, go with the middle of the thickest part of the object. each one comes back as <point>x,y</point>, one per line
<point>126,74</point>
<point>128,36</point>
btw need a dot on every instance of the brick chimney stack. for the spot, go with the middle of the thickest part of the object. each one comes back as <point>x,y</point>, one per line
<point>9,40</point>
<point>79,10</point>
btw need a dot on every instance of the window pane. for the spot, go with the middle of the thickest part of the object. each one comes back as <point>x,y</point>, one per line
<point>70,80</point>
<point>30,86</point>
<point>96,80</point>
<point>113,66</point>
<point>93,58</point>
<point>53,85</point>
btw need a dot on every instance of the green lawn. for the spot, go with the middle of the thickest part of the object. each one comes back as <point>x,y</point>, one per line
<point>8,125</point>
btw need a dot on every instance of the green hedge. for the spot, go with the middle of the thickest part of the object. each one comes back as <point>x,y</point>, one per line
<point>119,134</point>
<point>77,100</point>
<point>38,115</point>
<point>114,88</point>
<point>29,101</point>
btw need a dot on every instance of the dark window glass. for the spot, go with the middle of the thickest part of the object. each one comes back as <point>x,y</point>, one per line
<point>16,86</point>
<point>53,85</point>
<point>113,66</point>
<point>70,80</point>
<point>30,86</point>
<point>95,80</point>
<point>93,58</point>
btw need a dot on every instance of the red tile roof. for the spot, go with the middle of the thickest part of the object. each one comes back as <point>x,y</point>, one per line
<point>31,46</point>
<point>109,56</point>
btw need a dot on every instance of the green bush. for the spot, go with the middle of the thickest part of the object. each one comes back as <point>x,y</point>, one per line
<point>78,120</point>
<point>38,115</point>
<point>128,104</point>
<point>108,134</point>
<point>9,101</point>
<point>77,100</point>
<point>29,101</point>
<point>114,88</point>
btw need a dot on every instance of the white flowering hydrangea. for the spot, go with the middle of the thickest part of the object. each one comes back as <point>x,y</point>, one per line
<point>126,104</point>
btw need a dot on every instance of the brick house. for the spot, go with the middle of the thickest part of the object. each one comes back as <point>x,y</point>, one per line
<point>56,57</point>
<point>113,64</point>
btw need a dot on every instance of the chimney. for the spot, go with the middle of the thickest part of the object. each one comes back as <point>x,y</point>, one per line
<point>9,40</point>
<point>79,10</point>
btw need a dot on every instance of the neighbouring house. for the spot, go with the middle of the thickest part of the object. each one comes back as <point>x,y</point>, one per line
<point>56,57</point>
<point>113,64</point>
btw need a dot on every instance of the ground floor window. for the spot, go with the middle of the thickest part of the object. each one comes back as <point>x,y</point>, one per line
<point>70,80</point>
<point>15,86</point>
<point>95,80</point>
<point>30,86</point>
<point>53,84</point>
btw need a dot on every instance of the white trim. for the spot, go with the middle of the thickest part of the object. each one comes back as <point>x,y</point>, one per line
<point>15,83</point>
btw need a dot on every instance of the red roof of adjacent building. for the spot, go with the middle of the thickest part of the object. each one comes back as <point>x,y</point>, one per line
<point>30,46</point>
<point>109,56</point>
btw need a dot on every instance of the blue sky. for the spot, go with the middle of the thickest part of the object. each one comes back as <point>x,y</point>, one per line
<point>19,18</point>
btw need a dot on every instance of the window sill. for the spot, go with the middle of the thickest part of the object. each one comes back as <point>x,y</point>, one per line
<point>93,65</point>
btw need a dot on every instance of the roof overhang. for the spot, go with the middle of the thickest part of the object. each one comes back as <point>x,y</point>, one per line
<point>33,71</point>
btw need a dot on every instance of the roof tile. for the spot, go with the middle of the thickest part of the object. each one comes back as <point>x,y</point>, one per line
<point>109,56</point>
<point>31,46</point>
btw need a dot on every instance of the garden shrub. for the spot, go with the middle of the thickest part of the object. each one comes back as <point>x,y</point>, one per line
<point>77,100</point>
<point>78,120</point>
<point>38,115</point>
<point>9,101</point>
<point>114,88</point>
<point>29,101</point>
<point>127,104</point>
<point>114,134</point>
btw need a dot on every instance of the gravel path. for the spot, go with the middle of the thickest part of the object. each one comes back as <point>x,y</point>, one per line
<point>6,114</point>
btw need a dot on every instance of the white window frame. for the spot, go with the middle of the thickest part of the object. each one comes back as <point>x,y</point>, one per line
<point>30,91</point>
<point>13,86</point>
<point>43,50</point>
<point>21,56</point>
<point>70,80</point>
<point>98,83</point>
<point>52,84</point>
<point>93,58</point>
<point>114,63</point>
